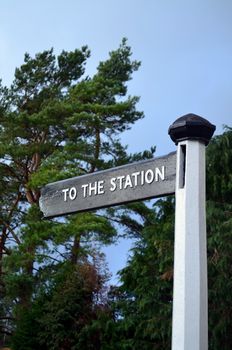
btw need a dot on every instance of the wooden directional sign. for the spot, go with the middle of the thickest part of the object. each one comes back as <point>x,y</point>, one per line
<point>136,181</point>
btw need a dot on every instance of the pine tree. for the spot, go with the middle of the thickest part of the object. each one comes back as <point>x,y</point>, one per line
<point>56,122</point>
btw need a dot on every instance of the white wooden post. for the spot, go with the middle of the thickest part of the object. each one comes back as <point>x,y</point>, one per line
<point>190,299</point>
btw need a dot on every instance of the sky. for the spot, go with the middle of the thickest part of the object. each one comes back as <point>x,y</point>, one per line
<point>185,49</point>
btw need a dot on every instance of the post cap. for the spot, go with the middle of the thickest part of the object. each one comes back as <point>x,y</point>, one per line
<point>191,127</point>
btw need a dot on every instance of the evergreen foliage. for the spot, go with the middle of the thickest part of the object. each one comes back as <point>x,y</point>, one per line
<point>219,229</point>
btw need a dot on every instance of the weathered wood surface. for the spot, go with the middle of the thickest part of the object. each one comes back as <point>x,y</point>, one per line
<point>136,181</point>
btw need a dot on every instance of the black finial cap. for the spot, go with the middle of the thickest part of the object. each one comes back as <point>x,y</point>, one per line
<point>191,127</point>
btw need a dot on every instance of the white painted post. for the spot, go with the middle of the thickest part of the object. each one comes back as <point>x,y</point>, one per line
<point>190,298</point>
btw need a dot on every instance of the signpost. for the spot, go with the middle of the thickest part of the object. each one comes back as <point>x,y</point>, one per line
<point>142,180</point>
<point>184,176</point>
<point>190,299</point>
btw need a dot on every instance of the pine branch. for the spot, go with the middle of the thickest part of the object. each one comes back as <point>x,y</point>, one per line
<point>17,240</point>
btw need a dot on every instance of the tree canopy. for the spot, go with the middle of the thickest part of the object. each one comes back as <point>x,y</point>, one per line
<point>57,122</point>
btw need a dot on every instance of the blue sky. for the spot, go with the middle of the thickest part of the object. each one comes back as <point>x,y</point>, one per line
<point>185,47</point>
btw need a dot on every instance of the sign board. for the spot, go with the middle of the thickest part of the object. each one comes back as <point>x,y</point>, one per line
<point>136,181</point>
